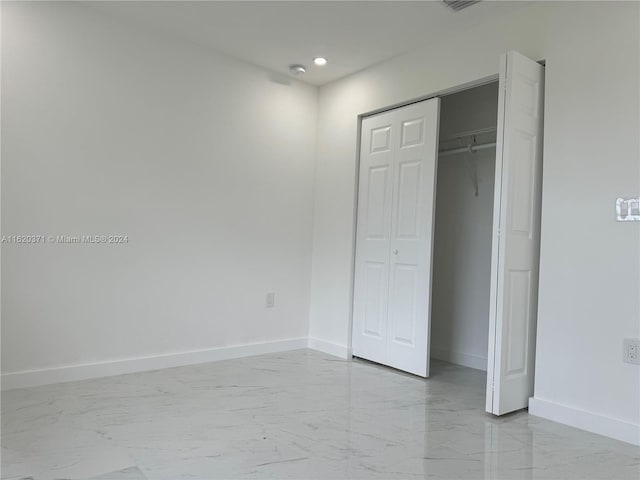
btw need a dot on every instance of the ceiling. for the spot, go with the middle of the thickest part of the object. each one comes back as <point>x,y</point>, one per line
<point>274,34</point>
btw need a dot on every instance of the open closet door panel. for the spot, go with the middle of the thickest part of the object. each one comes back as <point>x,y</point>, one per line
<point>391,310</point>
<point>412,237</point>
<point>516,235</point>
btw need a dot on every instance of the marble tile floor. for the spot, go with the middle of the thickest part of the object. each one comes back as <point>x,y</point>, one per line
<point>294,415</point>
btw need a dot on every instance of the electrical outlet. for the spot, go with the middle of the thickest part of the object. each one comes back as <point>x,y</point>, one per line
<point>271,300</point>
<point>631,350</point>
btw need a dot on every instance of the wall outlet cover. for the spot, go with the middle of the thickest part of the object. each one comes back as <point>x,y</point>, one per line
<point>271,300</point>
<point>631,351</point>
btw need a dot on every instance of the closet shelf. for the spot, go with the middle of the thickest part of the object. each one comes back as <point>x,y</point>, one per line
<point>469,133</point>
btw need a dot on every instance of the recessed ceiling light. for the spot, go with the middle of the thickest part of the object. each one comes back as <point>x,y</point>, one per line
<point>297,69</point>
<point>320,61</point>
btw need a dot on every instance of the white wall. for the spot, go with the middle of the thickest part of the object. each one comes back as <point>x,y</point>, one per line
<point>205,162</point>
<point>590,265</point>
<point>463,232</point>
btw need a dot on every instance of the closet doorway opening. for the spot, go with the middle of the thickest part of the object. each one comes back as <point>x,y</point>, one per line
<point>461,276</point>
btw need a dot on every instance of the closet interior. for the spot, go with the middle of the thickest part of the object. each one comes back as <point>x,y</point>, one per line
<point>463,226</point>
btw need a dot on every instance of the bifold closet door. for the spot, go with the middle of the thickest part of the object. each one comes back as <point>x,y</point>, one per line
<point>516,235</point>
<point>373,237</point>
<point>396,195</point>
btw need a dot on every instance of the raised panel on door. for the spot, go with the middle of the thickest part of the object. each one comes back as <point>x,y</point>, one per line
<point>518,288</point>
<point>412,237</point>
<point>405,288</point>
<point>516,243</point>
<point>409,191</point>
<point>373,235</point>
<point>375,293</point>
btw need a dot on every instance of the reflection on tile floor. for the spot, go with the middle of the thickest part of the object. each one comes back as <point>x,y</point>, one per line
<point>300,415</point>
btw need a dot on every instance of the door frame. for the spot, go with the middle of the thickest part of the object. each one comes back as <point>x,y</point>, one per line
<point>440,93</point>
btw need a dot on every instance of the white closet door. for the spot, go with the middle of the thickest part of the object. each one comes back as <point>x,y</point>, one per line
<point>516,241</point>
<point>373,237</point>
<point>394,237</point>
<point>412,237</point>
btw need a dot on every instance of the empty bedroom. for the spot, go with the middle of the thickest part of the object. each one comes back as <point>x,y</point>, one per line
<point>320,240</point>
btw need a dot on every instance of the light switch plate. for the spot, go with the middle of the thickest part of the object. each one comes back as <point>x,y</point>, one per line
<point>628,209</point>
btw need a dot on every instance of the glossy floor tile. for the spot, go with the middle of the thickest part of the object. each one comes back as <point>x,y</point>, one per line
<point>301,415</point>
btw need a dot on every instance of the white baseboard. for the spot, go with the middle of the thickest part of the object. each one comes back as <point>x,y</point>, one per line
<point>71,373</point>
<point>334,349</point>
<point>465,359</point>
<point>591,422</point>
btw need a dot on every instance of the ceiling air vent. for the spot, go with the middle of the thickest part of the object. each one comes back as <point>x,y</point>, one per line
<point>458,5</point>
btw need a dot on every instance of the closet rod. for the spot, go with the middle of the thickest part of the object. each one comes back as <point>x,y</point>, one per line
<point>470,133</point>
<point>468,149</point>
